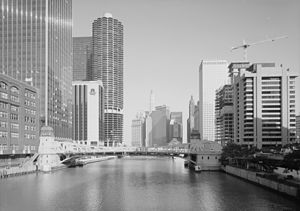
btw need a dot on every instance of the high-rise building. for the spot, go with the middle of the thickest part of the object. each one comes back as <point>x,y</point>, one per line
<point>212,75</point>
<point>36,46</point>
<point>107,50</point>
<point>152,101</point>
<point>298,128</point>
<point>191,119</point>
<point>160,126</point>
<point>138,131</point>
<point>264,104</point>
<point>19,117</point>
<point>82,58</point>
<point>224,115</point>
<point>176,126</point>
<point>148,130</point>
<point>88,113</point>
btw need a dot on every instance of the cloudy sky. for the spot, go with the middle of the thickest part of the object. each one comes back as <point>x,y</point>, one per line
<point>165,41</point>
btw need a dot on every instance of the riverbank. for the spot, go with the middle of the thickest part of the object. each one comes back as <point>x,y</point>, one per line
<point>16,171</point>
<point>23,170</point>
<point>266,180</point>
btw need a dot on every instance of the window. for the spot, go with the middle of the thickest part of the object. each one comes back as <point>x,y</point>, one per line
<point>3,134</point>
<point>14,108</point>
<point>14,126</point>
<point>14,135</point>
<point>14,90</point>
<point>3,105</point>
<point>3,114</point>
<point>3,124</point>
<point>27,119</point>
<point>14,116</point>
<point>3,95</point>
<point>3,85</point>
<point>14,98</point>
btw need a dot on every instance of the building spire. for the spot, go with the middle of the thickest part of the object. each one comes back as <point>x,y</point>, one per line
<point>152,101</point>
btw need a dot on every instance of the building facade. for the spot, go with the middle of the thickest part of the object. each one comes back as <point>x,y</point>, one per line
<point>88,113</point>
<point>176,126</point>
<point>191,118</point>
<point>212,75</point>
<point>160,126</point>
<point>148,131</point>
<point>82,58</point>
<point>107,49</point>
<point>19,117</point>
<point>36,46</point>
<point>138,132</point>
<point>224,115</point>
<point>264,104</point>
<point>298,128</point>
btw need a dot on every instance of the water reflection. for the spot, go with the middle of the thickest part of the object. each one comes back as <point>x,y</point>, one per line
<point>121,184</point>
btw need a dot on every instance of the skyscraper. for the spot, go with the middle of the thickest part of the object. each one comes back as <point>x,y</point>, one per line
<point>176,126</point>
<point>88,112</point>
<point>82,58</point>
<point>160,126</point>
<point>138,131</point>
<point>191,119</point>
<point>224,115</point>
<point>107,48</point>
<point>264,104</point>
<point>212,74</point>
<point>36,46</point>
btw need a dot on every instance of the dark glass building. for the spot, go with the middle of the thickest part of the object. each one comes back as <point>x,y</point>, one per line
<point>36,47</point>
<point>108,67</point>
<point>82,58</point>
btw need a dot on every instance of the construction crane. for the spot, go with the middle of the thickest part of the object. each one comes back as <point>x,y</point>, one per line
<point>246,45</point>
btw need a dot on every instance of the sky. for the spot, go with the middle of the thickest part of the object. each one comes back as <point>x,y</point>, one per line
<point>165,41</point>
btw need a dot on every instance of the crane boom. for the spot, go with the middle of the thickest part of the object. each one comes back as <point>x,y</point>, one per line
<point>246,45</point>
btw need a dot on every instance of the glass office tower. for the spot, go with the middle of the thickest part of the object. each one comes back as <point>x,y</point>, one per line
<point>36,47</point>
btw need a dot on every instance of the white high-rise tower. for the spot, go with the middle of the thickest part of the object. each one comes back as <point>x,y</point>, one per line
<point>212,75</point>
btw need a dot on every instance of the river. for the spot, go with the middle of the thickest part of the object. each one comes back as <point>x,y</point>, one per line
<point>136,184</point>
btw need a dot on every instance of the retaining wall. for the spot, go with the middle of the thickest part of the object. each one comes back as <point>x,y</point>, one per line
<point>252,176</point>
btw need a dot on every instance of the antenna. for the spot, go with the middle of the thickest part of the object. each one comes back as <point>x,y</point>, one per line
<point>245,45</point>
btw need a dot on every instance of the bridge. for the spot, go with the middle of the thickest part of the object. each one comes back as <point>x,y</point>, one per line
<point>53,153</point>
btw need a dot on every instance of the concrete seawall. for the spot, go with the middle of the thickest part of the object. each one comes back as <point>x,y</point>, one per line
<point>253,177</point>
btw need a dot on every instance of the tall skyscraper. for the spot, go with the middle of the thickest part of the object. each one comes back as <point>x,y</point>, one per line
<point>264,104</point>
<point>138,131</point>
<point>160,126</point>
<point>191,119</point>
<point>212,74</point>
<point>224,115</point>
<point>148,130</point>
<point>88,113</point>
<point>36,46</point>
<point>82,58</point>
<point>107,48</point>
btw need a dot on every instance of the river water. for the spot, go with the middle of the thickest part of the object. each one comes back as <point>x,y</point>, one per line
<point>136,184</point>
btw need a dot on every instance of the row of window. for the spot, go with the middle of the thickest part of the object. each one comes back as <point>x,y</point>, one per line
<point>4,134</point>
<point>30,103</point>
<point>16,147</point>
<point>29,111</point>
